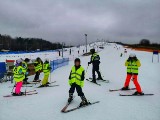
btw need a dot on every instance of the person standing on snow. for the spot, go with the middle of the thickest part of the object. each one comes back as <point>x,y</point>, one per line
<point>38,68</point>
<point>95,60</point>
<point>46,71</point>
<point>18,77</point>
<point>25,69</point>
<point>132,64</point>
<point>76,81</point>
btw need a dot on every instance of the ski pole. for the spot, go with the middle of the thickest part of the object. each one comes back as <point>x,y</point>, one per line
<point>13,87</point>
<point>87,69</point>
<point>101,72</point>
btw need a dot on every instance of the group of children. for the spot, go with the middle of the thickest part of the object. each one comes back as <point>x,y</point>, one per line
<point>21,71</point>
<point>77,74</point>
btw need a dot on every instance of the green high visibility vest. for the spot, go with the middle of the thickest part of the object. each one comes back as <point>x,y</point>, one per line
<point>46,68</point>
<point>94,57</point>
<point>76,76</point>
<point>38,67</point>
<point>18,74</point>
<point>132,67</point>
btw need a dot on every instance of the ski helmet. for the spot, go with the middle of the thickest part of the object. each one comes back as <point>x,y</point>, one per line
<point>47,60</point>
<point>77,60</point>
<point>92,50</point>
<point>27,60</point>
<point>132,55</point>
<point>19,61</point>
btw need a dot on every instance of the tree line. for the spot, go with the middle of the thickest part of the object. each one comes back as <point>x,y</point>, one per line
<point>26,44</point>
<point>143,43</point>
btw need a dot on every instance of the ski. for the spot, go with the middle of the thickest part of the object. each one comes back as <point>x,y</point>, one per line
<point>47,86</point>
<point>22,86</point>
<point>135,95</point>
<point>51,82</point>
<point>25,94</point>
<point>112,90</point>
<point>76,108</point>
<point>66,106</point>
<point>34,82</point>
<point>93,82</point>
<point>105,81</point>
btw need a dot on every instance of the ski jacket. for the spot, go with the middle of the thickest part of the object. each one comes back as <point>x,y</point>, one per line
<point>46,68</point>
<point>18,74</point>
<point>132,66</point>
<point>77,76</point>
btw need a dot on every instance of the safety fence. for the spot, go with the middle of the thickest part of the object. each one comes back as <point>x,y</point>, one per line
<point>2,70</point>
<point>59,63</point>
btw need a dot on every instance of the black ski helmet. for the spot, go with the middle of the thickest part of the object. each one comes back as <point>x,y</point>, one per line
<point>92,50</point>
<point>77,60</point>
<point>27,60</point>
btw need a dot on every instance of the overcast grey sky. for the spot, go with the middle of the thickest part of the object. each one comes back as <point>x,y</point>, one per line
<point>68,20</point>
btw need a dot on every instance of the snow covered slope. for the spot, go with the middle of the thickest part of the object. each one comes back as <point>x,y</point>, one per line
<point>48,103</point>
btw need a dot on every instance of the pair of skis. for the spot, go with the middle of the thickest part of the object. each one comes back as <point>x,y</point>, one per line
<point>49,85</point>
<point>64,110</point>
<point>25,94</point>
<point>90,80</point>
<point>113,90</point>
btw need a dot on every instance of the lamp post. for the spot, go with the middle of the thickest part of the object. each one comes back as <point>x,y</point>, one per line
<point>86,41</point>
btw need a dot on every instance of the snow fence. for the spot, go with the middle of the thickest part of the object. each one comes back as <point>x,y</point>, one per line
<point>59,63</point>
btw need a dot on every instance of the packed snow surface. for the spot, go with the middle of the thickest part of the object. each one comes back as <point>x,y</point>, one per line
<point>47,104</point>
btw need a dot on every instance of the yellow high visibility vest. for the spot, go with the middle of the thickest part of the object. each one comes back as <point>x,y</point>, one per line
<point>76,76</point>
<point>18,74</point>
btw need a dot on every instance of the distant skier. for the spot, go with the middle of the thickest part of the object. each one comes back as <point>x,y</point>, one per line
<point>95,60</point>
<point>132,64</point>
<point>76,81</point>
<point>121,54</point>
<point>25,70</point>
<point>18,77</point>
<point>46,71</point>
<point>38,68</point>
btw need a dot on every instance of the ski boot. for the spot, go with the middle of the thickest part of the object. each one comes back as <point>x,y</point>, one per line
<point>125,88</point>
<point>20,94</point>
<point>94,81</point>
<point>138,93</point>
<point>99,78</point>
<point>48,83</point>
<point>25,82</point>
<point>70,97</point>
<point>84,101</point>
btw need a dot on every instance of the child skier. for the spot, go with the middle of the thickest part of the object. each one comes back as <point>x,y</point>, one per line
<point>25,70</point>
<point>18,77</point>
<point>76,81</point>
<point>38,68</point>
<point>46,71</point>
<point>132,64</point>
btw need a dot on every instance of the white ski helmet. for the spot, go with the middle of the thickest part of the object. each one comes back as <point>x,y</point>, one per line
<point>132,55</point>
<point>19,61</point>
